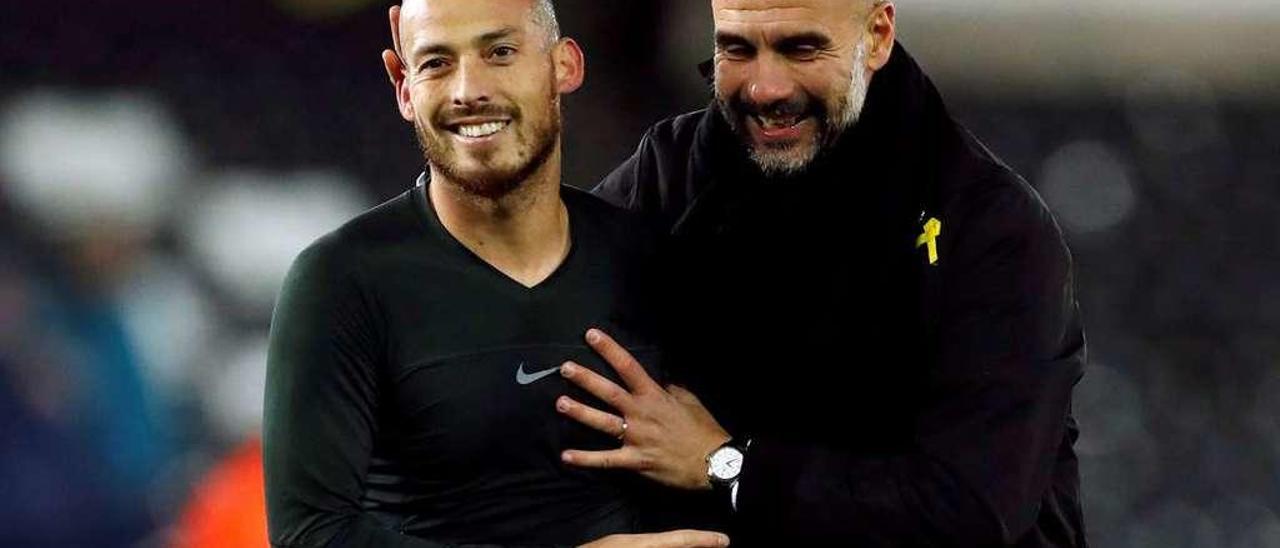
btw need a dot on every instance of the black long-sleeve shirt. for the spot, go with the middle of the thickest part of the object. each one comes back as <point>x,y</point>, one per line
<point>891,401</point>
<point>411,386</point>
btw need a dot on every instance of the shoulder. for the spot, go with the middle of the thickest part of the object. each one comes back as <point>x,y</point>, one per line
<point>670,140</point>
<point>992,215</point>
<point>675,132</point>
<point>653,179</point>
<point>1008,260</point>
<point>600,215</point>
<point>339,254</point>
<point>985,192</point>
<point>624,235</point>
<point>669,145</point>
<point>999,231</point>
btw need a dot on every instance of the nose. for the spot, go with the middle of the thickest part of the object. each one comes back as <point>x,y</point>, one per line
<point>472,84</point>
<point>770,82</point>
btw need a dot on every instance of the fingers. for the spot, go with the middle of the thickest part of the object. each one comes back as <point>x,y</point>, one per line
<point>632,373</point>
<point>689,538</point>
<point>605,422</point>
<point>685,538</point>
<point>625,458</point>
<point>598,386</point>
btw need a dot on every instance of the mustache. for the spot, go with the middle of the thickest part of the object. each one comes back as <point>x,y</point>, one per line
<point>447,115</point>
<point>797,105</point>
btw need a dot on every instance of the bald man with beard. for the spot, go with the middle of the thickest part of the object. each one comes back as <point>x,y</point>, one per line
<point>878,313</point>
<point>414,350</point>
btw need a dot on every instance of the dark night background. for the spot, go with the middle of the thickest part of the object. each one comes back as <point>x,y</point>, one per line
<point>162,162</point>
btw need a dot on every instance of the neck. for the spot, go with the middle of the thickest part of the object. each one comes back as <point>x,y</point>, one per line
<point>524,233</point>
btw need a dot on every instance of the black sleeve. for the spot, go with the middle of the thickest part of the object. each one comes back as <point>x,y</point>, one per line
<point>995,413</point>
<point>321,402</point>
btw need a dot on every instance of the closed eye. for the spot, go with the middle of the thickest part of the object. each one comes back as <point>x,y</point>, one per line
<point>800,51</point>
<point>805,46</point>
<point>738,51</point>
<point>734,46</point>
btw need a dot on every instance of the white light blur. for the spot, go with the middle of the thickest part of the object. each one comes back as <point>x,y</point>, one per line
<point>172,323</point>
<point>78,159</point>
<point>234,392</point>
<point>248,226</point>
<point>1088,185</point>
<point>1108,406</point>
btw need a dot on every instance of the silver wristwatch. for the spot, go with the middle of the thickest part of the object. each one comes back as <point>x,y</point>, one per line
<point>724,464</point>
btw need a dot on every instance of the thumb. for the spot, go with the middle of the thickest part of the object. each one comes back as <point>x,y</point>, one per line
<point>689,538</point>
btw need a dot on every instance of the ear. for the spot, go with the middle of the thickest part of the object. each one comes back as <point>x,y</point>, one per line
<point>881,28</point>
<point>396,70</point>
<point>570,65</point>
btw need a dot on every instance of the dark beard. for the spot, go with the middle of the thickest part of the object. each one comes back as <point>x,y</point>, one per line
<point>493,184</point>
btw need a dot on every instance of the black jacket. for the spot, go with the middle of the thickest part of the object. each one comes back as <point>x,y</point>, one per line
<point>891,402</point>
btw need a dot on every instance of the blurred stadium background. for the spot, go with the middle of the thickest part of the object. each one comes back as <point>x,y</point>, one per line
<point>162,162</point>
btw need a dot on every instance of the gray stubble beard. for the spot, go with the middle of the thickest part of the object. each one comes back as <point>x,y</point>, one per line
<point>849,111</point>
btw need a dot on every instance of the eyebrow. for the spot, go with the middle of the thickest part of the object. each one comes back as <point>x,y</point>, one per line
<point>725,39</point>
<point>808,38</point>
<point>493,36</point>
<point>815,39</point>
<point>479,41</point>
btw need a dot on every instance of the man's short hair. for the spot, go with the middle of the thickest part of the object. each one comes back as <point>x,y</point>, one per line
<point>544,15</point>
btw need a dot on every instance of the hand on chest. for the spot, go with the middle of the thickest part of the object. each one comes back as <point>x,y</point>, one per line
<point>494,409</point>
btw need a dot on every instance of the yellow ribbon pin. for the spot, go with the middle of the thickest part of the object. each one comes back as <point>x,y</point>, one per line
<point>932,229</point>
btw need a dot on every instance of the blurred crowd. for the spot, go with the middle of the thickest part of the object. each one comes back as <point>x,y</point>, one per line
<point>161,165</point>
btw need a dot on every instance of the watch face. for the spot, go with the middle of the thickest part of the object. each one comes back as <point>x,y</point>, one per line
<point>725,463</point>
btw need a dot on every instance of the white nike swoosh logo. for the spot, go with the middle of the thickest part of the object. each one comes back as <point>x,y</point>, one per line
<point>530,378</point>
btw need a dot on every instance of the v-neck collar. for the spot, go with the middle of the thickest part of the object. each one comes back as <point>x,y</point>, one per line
<point>435,228</point>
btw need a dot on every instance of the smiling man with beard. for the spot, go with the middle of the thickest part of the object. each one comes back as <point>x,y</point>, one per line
<point>879,314</point>
<point>414,350</point>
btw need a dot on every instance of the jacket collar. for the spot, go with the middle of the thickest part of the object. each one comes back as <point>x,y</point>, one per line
<point>892,153</point>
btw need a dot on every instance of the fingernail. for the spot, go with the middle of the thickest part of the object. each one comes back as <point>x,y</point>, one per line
<point>562,403</point>
<point>724,540</point>
<point>567,369</point>
<point>593,335</point>
<point>565,456</point>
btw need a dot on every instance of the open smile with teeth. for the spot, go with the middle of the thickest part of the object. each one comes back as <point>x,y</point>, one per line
<point>768,122</point>
<point>485,129</point>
